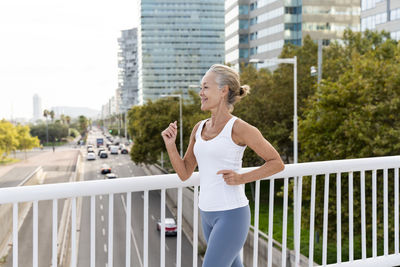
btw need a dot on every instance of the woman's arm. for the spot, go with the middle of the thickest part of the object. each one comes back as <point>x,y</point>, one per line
<point>246,134</point>
<point>183,167</point>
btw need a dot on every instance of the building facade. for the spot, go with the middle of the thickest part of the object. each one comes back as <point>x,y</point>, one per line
<point>381,15</point>
<point>37,107</point>
<point>177,43</point>
<point>127,70</point>
<point>259,29</point>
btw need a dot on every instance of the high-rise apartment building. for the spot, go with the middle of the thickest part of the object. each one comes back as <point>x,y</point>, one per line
<point>128,70</point>
<point>259,29</point>
<point>381,15</point>
<point>178,40</point>
<point>37,107</point>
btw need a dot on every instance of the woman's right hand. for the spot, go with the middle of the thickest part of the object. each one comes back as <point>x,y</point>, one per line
<point>169,134</point>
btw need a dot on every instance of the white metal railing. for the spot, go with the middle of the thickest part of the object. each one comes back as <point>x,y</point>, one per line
<point>293,173</point>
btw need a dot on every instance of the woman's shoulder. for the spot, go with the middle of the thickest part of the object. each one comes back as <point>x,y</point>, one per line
<point>241,125</point>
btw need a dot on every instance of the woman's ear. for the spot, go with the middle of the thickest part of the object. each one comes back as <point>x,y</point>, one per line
<point>225,90</point>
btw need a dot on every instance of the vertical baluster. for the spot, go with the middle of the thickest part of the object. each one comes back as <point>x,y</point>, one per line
<point>374,226</point>
<point>92,231</point>
<point>363,227</point>
<point>385,212</point>
<point>298,216</point>
<point>35,234</point>
<point>146,229</point>
<point>285,219</point>
<point>312,218</point>
<point>256,223</point>
<point>351,244</point>
<point>73,232</point>
<point>271,220</point>
<point>325,229</point>
<point>396,210</point>
<point>110,229</point>
<point>179,230</point>
<point>338,217</point>
<point>15,234</point>
<point>195,224</point>
<point>54,235</point>
<point>162,230</point>
<point>128,229</point>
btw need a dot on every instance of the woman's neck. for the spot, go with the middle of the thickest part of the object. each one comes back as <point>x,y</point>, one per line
<point>220,115</point>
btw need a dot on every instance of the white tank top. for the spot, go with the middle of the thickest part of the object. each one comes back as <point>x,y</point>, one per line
<point>219,153</point>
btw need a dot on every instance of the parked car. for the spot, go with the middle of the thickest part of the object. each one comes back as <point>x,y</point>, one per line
<point>103,154</point>
<point>105,169</point>
<point>91,156</point>
<point>170,226</point>
<point>114,149</point>
<point>89,147</point>
<point>111,175</point>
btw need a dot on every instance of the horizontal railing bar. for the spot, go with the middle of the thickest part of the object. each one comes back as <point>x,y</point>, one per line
<point>166,181</point>
<point>391,260</point>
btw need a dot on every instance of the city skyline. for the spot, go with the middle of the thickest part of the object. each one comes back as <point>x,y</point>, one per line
<point>65,54</point>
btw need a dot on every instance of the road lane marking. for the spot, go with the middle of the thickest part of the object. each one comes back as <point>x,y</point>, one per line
<point>166,246</point>
<point>101,206</point>
<point>105,248</point>
<point>152,217</point>
<point>133,236</point>
<point>104,232</point>
<point>101,197</point>
<point>102,218</point>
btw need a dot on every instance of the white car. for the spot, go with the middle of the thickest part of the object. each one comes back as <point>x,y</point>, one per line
<point>91,156</point>
<point>170,226</point>
<point>114,150</point>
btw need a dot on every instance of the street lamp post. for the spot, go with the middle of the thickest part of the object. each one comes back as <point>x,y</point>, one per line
<point>294,62</point>
<point>180,118</point>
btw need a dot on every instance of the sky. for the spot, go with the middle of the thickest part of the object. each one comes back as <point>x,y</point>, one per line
<point>64,51</point>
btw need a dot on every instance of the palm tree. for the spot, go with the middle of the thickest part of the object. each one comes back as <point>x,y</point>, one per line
<point>45,114</point>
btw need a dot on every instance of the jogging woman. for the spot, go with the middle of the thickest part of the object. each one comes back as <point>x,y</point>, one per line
<point>216,146</point>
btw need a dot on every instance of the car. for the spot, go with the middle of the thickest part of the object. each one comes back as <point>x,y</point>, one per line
<point>111,175</point>
<point>170,226</point>
<point>91,156</point>
<point>90,149</point>
<point>114,149</point>
<point>103,154</point>
<point>100,150</point>
<point>105,169</point>
<point>124,150</point>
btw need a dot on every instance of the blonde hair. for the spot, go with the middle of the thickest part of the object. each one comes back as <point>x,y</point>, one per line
<point>228,76</point>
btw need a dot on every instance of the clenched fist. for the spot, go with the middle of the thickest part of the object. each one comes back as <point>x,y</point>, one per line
<point>169,134</point>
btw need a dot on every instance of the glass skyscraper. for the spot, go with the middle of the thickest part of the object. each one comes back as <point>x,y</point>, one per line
<point>178,40</point>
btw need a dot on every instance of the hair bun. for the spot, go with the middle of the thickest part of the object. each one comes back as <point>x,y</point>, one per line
<point>244,90</point>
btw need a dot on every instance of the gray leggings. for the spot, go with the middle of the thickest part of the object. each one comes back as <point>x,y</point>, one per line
<point>225,233</point>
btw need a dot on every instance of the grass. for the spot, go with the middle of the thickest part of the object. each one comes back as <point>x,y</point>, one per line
<point>8,161</point>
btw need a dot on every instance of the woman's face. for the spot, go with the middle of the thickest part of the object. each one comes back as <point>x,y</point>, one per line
<point>211,96</point>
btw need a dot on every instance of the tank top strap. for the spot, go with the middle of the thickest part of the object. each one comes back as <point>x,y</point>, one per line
<point>198,132</point>
<point>227,131</point>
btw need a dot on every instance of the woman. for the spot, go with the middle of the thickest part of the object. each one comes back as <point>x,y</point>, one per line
<point>216,146</point>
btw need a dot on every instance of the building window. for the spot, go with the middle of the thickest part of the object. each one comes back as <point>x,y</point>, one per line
<point>243,24</point>
<point>293,10</point>
<point>253,36</point>
<point>293,26</point>
<point>243,10</point>
<point>253,21</point>
<point>253,51</point>
<point>395,14</point>
<point>243,39</point>
<point>253,6</point>
<point>294,41</point>
<point>243,53</point>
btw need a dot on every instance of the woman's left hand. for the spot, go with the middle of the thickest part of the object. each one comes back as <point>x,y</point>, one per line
<point>231,177</point>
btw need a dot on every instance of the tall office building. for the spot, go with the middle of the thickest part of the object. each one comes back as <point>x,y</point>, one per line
<point>37,107</point>
<point>259,29</point>
<point>128,70</point>
<point>178,40</point>
<point>381,15</point>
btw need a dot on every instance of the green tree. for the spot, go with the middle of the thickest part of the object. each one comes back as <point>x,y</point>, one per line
<point>354,114</point>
